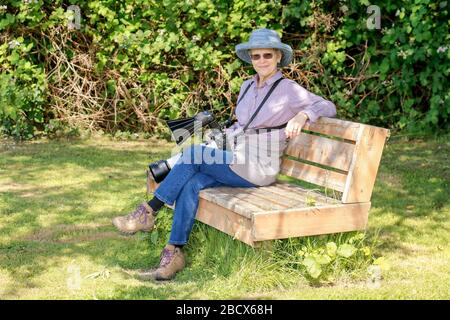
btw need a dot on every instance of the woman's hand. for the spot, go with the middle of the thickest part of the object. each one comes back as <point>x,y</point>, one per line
<point>295,125</point>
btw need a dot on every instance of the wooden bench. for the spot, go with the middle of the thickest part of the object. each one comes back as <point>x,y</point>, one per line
<point>340,156</point>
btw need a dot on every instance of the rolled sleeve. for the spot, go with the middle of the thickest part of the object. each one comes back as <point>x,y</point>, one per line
<point>311,104</point>
<point>323,108</point>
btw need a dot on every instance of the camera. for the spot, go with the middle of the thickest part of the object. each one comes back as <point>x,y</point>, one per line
<point>182,130</point>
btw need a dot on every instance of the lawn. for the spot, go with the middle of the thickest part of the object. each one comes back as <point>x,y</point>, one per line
<point>57,198</point>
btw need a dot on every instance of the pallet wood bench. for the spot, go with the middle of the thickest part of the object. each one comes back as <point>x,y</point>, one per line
<point>341,156</point>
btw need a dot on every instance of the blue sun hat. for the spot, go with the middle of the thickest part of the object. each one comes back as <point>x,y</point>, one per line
<point>264,39</point>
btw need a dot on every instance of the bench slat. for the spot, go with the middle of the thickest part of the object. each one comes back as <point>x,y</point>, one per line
<point>251,196</point>
<point>335,127</point>
<point>304,193</point>
<point>225,198</point>
<point>365,163</point>
<point>240,199</point>
<point>225,220</point>
<point>312,174</point>
<point>250,201</point>
<point>281,198</point>
<point>310,221</point>
<point>300,201</point>
<point>321,150</point>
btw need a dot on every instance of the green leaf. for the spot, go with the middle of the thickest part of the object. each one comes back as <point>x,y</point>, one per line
<point>322,259</point>
<point>346,250</point>
<point>312,267</point>
<point>331,249</point>
<point>154,237</point>
<point>366,250</point>
<point>14,57</point>
<point>384,67</point>
<point>383,263</point>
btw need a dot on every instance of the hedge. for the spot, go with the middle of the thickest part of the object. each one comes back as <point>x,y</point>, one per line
<point>128,65</point>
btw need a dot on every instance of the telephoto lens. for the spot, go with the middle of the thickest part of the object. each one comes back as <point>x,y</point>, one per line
<point>159,170</point>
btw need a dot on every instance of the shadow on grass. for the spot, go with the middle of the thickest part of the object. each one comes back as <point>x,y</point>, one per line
<point>82,186</point>
<point>77,186</point>
<point>57,200</point>
<point>410,197</point>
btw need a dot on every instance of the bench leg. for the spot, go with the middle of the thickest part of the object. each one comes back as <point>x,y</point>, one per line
<point>151,184</point>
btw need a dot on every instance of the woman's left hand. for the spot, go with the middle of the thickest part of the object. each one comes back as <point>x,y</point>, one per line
<point>295,125</point>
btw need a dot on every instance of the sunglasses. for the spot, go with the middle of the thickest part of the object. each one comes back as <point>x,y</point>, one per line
<point>266,56</point>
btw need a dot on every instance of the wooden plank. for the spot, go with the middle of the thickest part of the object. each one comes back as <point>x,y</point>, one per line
<point>284,198</point>
<point>302,196</point>
<point>302,200</point>
<point>243,196</point>
<point>246,194</point>
<point>310,221</point>
<point>312,174</point>
<point>305,193</point>
<point>282,201</point>
<point>233,224</point>
<point>364,165</point>
<point>279,198</point>
<point>151,184</point>
<point>225,198</point>
<point>335,127</point>
<point>325,151</point>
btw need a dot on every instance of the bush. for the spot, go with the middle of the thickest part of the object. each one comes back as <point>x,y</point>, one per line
<point>132,63</point>
<point>22,90</point>
<point>392,76</point>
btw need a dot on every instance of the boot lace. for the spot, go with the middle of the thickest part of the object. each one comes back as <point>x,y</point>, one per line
<point>166,257</point>
<point>140,214</point>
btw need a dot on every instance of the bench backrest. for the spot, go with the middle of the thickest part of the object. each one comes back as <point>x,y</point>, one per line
<point>337,154</point>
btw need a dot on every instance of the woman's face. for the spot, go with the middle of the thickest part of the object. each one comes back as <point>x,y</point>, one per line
<point>265,61</point>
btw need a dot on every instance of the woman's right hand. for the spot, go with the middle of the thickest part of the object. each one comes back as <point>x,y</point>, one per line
<point>295,125</point>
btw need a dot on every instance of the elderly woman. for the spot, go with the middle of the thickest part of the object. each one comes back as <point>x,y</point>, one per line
<point>268,106</point>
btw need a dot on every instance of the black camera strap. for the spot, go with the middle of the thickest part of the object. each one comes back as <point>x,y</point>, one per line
<point>258,130</point>
<point>245,92</point>
<point>275,84</point>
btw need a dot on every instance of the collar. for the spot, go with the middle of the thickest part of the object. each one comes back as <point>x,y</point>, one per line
<point>269,81</point>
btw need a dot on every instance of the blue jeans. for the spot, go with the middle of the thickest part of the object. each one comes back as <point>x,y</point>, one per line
<point>192,173</point>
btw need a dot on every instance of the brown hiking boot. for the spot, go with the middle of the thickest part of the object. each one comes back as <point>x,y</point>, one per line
<point>141,219</point>
<point>172,261</point>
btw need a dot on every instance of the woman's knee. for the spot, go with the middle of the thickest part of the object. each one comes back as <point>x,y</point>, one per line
<point>198,182</point>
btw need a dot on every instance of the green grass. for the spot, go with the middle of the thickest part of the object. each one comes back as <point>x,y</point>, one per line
<point>57,199</point>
